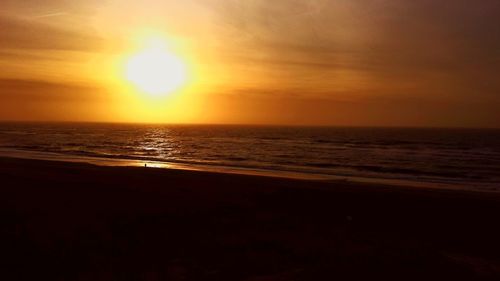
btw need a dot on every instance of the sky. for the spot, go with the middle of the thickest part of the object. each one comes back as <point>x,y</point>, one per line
<point>294,62</point>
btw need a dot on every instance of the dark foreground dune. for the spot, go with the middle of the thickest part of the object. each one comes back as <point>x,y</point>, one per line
<point>62,221</point>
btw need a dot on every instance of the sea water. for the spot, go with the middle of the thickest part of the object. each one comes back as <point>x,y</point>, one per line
<point>468,158</point>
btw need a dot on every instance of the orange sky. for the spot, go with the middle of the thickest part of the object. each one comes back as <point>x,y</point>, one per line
<point>316,62</point>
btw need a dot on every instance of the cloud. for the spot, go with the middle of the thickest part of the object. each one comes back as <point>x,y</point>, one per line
<point>422,48</point>
<point>275,107</point>
<point>20,90</point>
<point>19,34</point>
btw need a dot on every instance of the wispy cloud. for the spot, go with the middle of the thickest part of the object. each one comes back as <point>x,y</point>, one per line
<point>28,34</point>
<point>431,46</point>
<point>25,90</point>
<point>49,15</point>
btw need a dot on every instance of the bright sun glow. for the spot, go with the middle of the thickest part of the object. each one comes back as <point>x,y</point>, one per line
<point>156,70</point>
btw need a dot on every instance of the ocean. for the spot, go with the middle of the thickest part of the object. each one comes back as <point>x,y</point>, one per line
<point>449,158</point>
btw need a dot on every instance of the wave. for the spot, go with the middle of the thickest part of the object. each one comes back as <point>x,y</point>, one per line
<point>416,155</point>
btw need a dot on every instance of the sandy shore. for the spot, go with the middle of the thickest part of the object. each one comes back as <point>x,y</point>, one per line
<point>67,221</point>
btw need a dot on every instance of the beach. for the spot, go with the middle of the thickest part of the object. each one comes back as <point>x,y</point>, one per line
<point>76,221</point>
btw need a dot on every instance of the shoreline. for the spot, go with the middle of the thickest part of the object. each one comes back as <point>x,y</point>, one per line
<point>121,162</point>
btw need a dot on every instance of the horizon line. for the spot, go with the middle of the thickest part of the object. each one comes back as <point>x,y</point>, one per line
<point>246,124</point>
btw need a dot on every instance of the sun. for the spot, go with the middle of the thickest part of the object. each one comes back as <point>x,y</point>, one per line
<point>155,70</point>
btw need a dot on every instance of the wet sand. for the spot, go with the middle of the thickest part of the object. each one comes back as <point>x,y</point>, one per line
<point>69,221</point>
